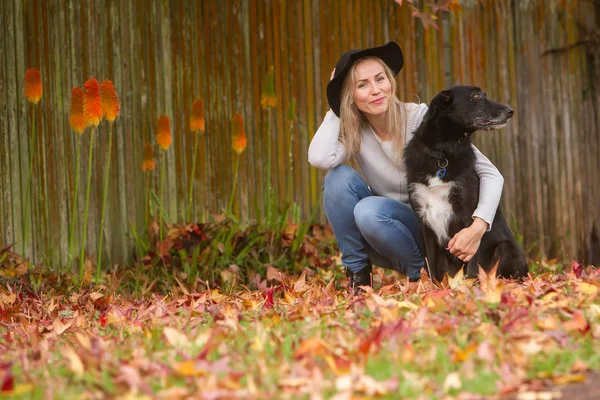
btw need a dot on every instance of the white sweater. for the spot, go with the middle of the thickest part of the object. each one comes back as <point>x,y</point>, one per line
<point>384,170</point>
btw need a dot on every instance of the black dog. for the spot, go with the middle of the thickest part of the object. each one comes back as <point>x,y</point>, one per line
<point>444,187</point>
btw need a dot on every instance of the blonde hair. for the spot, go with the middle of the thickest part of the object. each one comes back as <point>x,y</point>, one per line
<point>352,120</point>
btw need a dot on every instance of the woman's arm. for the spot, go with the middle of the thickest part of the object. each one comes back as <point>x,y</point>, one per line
<point>490,188</point>
<point>466,242</point>
<point>325,150</point>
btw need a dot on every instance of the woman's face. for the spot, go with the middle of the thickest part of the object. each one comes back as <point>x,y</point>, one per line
<point>372,88</point>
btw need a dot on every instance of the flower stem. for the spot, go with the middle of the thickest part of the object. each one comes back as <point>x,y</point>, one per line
<point>104,195</point>
<point>87,204</point>
<point>162,180</point>
<point>74,202</point>
<point>235,179</point>
<point>191,189</point>
<point>269,201</point>
<point>291,166</point>
<point>147,202</point>
<point>29,179</point>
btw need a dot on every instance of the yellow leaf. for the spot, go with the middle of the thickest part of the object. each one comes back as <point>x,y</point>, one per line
<point>188,368</point>
<point>549,322</point>
<point>311,347</point>
<point>19,390</point>
<point>74,361</point>
<point>455,281</point>
<point>338,365</point>
<point>294,382</point>
<point>7,299</point>
<point>563,380</point>
<point>216,296</point>
<point>406,304</point>
<point>452,381</point>
<point>587,288</point>
<point>202,339</point>
<point>462,355</point>
<point>459,280</point>
<point>59,327</point>
<point>490,285</point>
<point>84,340</point>
<point>175,337</point>
<point>88,270</point>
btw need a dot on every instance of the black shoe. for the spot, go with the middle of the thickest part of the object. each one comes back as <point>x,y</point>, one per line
<point>414,279</point>
<point>360,278</point>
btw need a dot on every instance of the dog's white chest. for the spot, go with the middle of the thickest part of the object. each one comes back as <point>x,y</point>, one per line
<point>434,205</point>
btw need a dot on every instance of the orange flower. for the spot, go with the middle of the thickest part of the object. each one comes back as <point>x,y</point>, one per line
<point>76,119</point>
<point>268,98</point>
<point>110,100</point>
<point>197,122</point>
<point>238,139</point>
<point>454,5</point>
<point>163,138</point>
<point>33,85</point>
<point>148,163</point>
<point>92,105</point>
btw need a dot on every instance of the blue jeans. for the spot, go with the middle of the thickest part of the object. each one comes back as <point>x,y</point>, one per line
<point>371,229</point>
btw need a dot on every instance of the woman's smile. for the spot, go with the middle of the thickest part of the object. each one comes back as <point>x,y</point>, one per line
<point>372,88</point>
<point>378,101</point>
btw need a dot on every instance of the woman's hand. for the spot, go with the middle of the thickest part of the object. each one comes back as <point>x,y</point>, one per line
<point>465,243</point>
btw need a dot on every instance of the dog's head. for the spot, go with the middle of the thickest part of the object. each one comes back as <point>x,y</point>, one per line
<point>468,109</point>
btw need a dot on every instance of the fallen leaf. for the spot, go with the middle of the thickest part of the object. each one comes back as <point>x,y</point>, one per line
<point>452,382</point>
<point>459,280</point>
<point>587,289</point>
<point>74,361</point>
<point>176,338</point>
<point>188,368</point>
<point>563,380</point>
<point>490,284</point>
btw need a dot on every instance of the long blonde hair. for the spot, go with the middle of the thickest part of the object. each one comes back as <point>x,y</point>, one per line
<point>353,121</point>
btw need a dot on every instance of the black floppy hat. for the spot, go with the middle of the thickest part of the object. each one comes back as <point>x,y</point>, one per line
<point>389,53</point>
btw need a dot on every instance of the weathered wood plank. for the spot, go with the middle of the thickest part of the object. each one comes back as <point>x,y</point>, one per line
<point>6,223</point>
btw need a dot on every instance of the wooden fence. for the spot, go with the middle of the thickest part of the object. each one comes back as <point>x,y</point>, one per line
<point>161,55</point>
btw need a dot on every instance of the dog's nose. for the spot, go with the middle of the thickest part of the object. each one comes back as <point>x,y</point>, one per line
<point>510,112</point>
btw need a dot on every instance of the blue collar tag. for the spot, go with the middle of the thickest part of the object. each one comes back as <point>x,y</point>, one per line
<point>441,173</point>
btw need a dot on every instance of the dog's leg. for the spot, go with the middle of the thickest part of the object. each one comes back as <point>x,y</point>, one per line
<point>472,267</point>
<point>513,263</point>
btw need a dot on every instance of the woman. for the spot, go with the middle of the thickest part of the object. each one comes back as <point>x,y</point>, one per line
<point>371,218</point>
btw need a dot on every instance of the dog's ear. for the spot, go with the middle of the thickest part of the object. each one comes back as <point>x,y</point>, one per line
<point>443,99</point>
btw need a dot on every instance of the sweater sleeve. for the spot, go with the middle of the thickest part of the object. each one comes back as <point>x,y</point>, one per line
<point>325,150</point>
<point>490,188</point>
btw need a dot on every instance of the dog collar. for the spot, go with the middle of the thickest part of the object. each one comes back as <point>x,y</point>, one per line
<point>442,162</point>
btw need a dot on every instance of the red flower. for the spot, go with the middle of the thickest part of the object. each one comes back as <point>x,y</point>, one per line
<point>110,100</point>
<point>92,105</point>
<point>163,138</point>
<point>33,85</point>
<point>76,118</point>
<point>148,163</point>
<point>238,139</point>
<point>197,122</point>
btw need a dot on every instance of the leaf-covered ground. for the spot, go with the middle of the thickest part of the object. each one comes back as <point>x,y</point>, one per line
<point>305,337</point>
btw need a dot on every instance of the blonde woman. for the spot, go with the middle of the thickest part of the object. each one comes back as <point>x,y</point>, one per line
<point>371,217</point>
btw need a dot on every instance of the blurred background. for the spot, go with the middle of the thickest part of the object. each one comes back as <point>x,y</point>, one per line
<point>540,56</point>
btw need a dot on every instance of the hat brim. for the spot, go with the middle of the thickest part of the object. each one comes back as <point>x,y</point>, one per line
<point>390,54</point>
